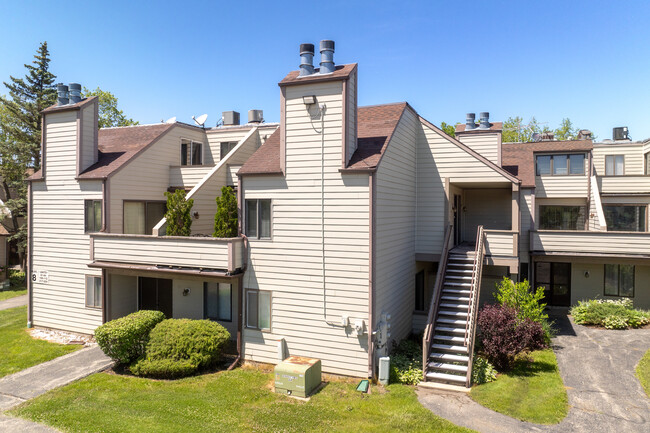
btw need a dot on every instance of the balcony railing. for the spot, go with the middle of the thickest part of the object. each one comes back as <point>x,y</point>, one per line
<point>501,243</point>
<point>187,176</point>
<point>224,254</point>
<point>571,242</point>
<point>561,186</point>
<point>632,184</point>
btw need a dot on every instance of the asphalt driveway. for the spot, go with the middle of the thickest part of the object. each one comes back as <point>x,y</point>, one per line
<point>597,366</point>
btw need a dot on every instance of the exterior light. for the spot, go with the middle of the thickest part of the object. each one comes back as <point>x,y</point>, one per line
<point>309,99</point>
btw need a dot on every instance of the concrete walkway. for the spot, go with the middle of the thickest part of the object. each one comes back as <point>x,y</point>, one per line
<point>37,380</point>
<point>17,301</point>
<point>597,366</point>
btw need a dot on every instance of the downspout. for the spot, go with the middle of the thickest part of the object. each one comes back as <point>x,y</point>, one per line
<point>30,247</point>
<point>372,183</point>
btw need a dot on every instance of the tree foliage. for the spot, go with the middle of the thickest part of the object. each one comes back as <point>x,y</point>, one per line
<point>178,215</point>
<point>20,137</point>
<point>225,220</point>
<point>515,130</point>
<point>448,129</point>
<point>109,114</point>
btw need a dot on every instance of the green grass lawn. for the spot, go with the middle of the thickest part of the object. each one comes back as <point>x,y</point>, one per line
<point>18,350</point>
<point>229,401</point>
<point>531,392</point>
<point>643,372</point>
<point>12,293</point>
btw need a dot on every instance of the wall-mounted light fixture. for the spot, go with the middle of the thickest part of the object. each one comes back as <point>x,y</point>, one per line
<point>186,291</point>
<point>195,214</point>
<point>586,274</point>
<point>309,99</point>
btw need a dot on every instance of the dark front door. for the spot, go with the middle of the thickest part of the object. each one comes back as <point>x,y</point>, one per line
<point>155,294</point>
<point>457,223</point>
<point>556,280</point>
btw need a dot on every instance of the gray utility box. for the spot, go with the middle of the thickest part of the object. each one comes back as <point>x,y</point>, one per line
<point>298,376</point>
<point>230,118</point>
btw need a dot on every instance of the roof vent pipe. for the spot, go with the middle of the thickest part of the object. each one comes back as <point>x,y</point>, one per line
<point>326,56</point>
<point>306,59</point>
<point>470,121</point>
<point>62,94</point>
<point>485,120</point>
<point>75,93</point>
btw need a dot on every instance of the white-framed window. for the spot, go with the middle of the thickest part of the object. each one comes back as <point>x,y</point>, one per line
<point>619,280</point>
<point>92,216</point>
<point>614,165</point>
<point>218,301</point>
<point>191,152</point>
<point>258,309</point>
<point>258,219</point>
<point>560,165</point>
<point>226,147</point>
<point>93,291</point>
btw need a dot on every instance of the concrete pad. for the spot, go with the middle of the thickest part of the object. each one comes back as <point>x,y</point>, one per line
<point>18,301</point>
<point>8,424</point>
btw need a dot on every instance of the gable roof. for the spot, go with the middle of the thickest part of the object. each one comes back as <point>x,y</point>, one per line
<point>78,106</point>
<point>266,159</point>
<point>341,72</point>
<point>519,158</point>
<point>494,127</point>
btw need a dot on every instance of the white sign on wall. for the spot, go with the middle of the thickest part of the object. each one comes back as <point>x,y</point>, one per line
<point>40,277</point>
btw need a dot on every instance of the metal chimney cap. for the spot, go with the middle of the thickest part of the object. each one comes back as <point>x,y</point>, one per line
<point>75,86</point>
<point>326,44</point>
<point>485,120</point>
<point>306,48</point>
<point>484,115</point>
<point>470,121</point>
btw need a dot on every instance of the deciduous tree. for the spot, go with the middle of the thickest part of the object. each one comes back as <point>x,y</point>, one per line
<point>109,114</point>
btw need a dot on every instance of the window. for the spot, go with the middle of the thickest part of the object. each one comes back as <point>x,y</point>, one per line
<point>625,218</point>
<point>258,219</point>
<point>258,310</point>
<point>218,301</point>
<point>93,291</point>
<point>647,164</point>
<point>226,147</point>
<point>419,291</point>
<point>92,215</point>
<point>561,218</point>
<point>560,165</point>
<point>614,165</point>
<point>619,280</point>
<point>140,217</point>
<point>191,152</point>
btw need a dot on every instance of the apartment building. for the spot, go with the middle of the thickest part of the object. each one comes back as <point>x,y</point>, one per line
<point>358,225</point>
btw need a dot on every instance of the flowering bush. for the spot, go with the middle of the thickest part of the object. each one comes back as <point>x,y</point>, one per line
<point>610,313</point>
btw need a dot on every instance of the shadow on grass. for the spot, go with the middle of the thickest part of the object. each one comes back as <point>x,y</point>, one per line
<point>526,367</point>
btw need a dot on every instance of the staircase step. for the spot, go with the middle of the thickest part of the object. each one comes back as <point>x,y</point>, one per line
<point>457,322</point>
<point>449,348</point>
<point>458,306</point>
<point>457,330</point>
<point>452,266</point>
<point>446,377</point>
<point>450,367</point>
<point>449,357</point>
<point>460,271</point>
<point>451,283</point>
<point>459,277</point>
<point>449,338</point>
<point>455,292</point>
<point>460,257</point>
<point>453,313</point>
<point>459,299</point>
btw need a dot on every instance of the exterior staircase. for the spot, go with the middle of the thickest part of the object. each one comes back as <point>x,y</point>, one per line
<point>449,336</point>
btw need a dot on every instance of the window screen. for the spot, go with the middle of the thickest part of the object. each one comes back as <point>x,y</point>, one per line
<point>92,215</point>
<point>93,292</point>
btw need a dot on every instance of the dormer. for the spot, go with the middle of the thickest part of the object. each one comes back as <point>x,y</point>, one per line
<point>70,129</point>
<point>319,109</point>
<point>484,138</point>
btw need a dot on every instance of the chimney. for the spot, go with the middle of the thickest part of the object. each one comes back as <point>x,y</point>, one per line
<point>470,121</point>
<point>306,59</point>
<point>75,93</point>
<point>485,120</point>
<point>62,92</point>
<point>326,56</point>
<point>230,118</point>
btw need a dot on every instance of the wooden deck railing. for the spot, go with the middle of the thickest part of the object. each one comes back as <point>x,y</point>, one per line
<point>474,295</point>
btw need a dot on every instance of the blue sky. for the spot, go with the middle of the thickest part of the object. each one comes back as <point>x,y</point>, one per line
<point>588,61</point>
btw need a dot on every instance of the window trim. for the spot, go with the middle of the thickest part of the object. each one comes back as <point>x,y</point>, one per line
<point>145,211</point>
<point>205,303</point>
<point>618,284</point>
<point>568,164</point>
<point>614,156</point>
<point>258,291</point>
<point>259,214</point>
<point>579,227</point>
<point>101,208</point>
<point>101,292</point>
<point>646,166</point>
<point>189,154</point>
<point>231,144</point>
<point>645,222</point>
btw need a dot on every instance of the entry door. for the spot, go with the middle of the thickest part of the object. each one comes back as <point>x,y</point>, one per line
<point>556,280</point>
<point>457,222</point>
<point>155,294</point>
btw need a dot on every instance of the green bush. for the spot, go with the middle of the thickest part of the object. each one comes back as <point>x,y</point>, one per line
<point>17,278</point>
<point>406,362</point>
<point>178,215</point>
<point>125,339</point>
<point>519,296</point>
<point>612,314</point>
<point>225,220</point>
<point>615,322</point>
<point>482,371</point>
<point>180,347</point>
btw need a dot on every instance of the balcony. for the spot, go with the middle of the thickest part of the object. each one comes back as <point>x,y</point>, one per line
<point>561,186</point>
<point>590,243</point>
<point>633,184</point>
<point>170,253</point>
<point>502,248</point>
<point>187,176</point>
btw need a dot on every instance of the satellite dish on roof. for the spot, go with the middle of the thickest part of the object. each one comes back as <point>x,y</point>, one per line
<point>171,120</point>
<point>537,137</point>
<point>201,119</point>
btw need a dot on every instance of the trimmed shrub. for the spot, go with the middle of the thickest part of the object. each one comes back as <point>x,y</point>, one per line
<point>482,371</point>
<point>180,347</point>
<point>125,339</point>
<point>406,363</point>
<point>503,336</point>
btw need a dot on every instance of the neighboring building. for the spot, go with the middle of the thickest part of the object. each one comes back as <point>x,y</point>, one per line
<point>352,218</point>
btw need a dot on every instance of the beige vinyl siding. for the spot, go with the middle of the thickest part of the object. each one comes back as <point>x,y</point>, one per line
<point>581,242</point>
<point>122,295</point>
<point>633,153</point>
<point>290,264</point>
<point>187,176</point>
<point>88,134</point>
<point>561,186</point>
<point>491,208</point>
<point>217,136</point>
<point>527,221</point>
<point>147,176</point>
<point>486,144</point>
<point>395,230</point>
<point>351,112</point>
<point>629,184</point>
<point>231,178</point>
<point>500,243</point>
<point>439,159</point>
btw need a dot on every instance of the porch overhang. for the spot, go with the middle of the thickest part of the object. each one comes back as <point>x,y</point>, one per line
<point>155,270</point>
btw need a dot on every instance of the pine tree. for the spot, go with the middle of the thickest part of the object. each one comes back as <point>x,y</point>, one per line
<point>178,215</point>
<point>225,220</point>
<point>20,138</point>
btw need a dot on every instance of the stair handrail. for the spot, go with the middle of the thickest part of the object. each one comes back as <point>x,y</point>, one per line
<point>435,300</point>
<point>474,295</point>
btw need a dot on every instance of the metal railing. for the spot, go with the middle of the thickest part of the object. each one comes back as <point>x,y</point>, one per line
<point>474,294</point>
<point>435,300</point>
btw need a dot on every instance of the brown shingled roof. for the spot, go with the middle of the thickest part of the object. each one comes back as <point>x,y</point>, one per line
<point>341,72</point>
<point>519,158</point>
<point>266,159</point>
<point>56,108</point>
<point>494,127</point>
